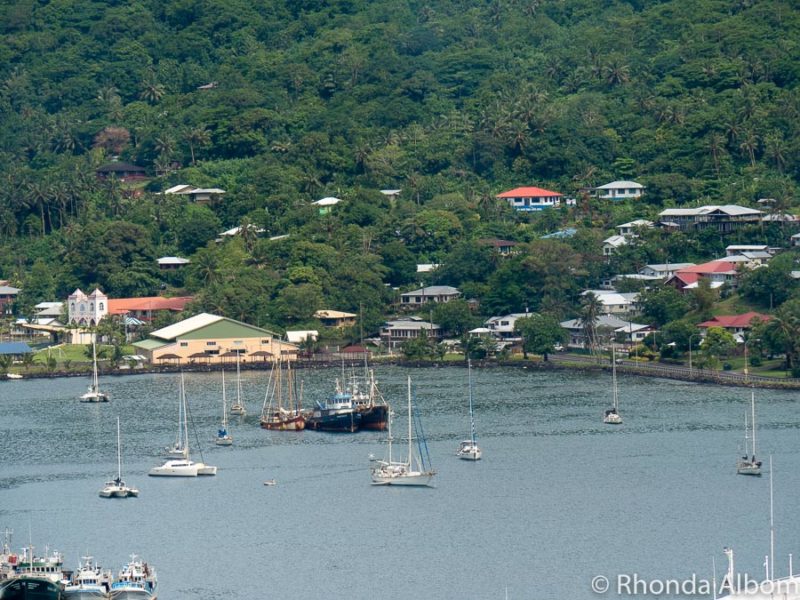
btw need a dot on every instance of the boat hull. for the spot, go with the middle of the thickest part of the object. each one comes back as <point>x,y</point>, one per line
<point>412,479</point>
<point>472,455</point>
<point>31,588</point>
<point>280,423</point>
<point>85,593</point>
<point>204,469</point>
<point>748,468</point>
<point>132,594</point>
<point>224,441</point>
<point>94,397</point>
<point>375,418</point>
<point>340,422</point>
<point>175,469</point>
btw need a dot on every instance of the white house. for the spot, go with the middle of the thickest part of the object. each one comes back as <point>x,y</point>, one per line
<point>431,293</point>
<point>724,218</point>
<point>663,271</point>
<point>614,302</point>
<point>196,194</point>
<point>613,243</point>
<point>610,324</point>
<point>629,229</point>
<point>735,249</point>
<point>503,327</point>
<point>529,199</point>
<point>620,190</point>
<point>395,333</point>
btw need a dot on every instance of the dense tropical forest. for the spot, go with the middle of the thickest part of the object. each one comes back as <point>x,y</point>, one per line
<point>281,103</point>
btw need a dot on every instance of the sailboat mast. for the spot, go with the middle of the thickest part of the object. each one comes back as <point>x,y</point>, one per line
<point>409,421</point>
<point>471,416</point>
<point>224,403</point>
<point>185,419</point>
<point>753,418</point>
<point>119,454</point>
<point>95,379</point>
<point>614,376</point>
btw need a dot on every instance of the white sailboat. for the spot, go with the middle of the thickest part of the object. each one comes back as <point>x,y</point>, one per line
<point>612,416</point>
<point>745,465</point>
<point>118,488</point>
<point>469,450</point>
<point>184,466</point>
<point>223,437</point>
<point>410,472</point>
<point>178,449</point>
<point>93,394</point>
<point>237,408</point>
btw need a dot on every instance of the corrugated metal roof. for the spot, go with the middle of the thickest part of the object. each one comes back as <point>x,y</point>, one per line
<point>14,348</point>
<point>151,344</point>
<point>191,324</point>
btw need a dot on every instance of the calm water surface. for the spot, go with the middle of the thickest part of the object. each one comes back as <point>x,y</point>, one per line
<point>557,499</point>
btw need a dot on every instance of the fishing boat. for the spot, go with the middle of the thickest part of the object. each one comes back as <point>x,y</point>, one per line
<point>368,401</point>
<point>34,577</point>
<point>136,581</point>
<point>237,408</point>
<point>223,437</point>
<point>337,413</point>
<point>469,449</point>
<point>117,488</point>
<point>183,467</point>
<point>90,582</point>
<point>745,465</point>
<point>93,394</point>
<point>282,409</point>
<point>612,416</point>
<point>415,470</point>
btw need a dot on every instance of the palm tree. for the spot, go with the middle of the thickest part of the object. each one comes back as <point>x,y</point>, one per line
<point>775,147</point>
<point>715,146</point>
<point>591,309</point>
<point>152,91</point>
<point>197,136</point>
<point>616,73</point>
<point>750,145</point>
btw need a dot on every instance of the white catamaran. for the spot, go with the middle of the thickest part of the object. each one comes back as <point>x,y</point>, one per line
<point>117,488</point>
<point>469,450</point>
<point>411,472</point>
<point>183,467</point>
<point>749,465</point>
<point>93,394</point>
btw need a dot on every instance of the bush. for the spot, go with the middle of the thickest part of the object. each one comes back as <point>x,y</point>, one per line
<point>727,366</point>
<point>755,361</point>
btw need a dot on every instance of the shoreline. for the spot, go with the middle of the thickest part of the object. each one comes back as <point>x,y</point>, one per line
<point>554,362</point>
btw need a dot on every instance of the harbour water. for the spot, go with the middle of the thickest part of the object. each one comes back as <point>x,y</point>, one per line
<point>558,498</point>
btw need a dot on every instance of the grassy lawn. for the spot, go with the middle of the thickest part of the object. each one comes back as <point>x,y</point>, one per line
<point>76,353</point>
<point>735,305</point>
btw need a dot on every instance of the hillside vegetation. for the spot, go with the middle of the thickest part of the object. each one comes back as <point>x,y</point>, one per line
<point>282,103</point>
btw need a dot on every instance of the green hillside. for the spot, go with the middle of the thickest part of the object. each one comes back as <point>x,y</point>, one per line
<point>283,103</point>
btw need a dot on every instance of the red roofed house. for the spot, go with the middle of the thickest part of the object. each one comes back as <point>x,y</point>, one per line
<point>144,308</point>
<point>531,198</point>
<point>736,324</point>
<point>718,272</point>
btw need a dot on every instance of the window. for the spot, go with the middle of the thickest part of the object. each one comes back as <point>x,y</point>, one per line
<point>91,307</point>
<point>100,306</point>
<point>83,308</point>
<point>265,342</point>
<point>211,343</point>
<point>184,344</point>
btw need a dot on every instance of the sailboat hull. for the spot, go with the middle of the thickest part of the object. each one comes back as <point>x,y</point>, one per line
<point>284,423</point>
<point>94,397</point>
<point>748,468</point>
<point>408,479</point>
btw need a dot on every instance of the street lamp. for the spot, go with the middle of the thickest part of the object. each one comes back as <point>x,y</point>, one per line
<point>690,352</point>
<point>747,341</point>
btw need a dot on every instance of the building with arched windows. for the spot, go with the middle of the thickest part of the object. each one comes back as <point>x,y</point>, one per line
<point>86,310</point>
